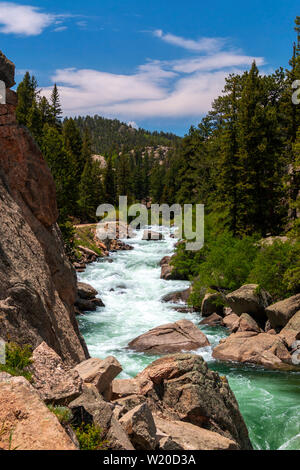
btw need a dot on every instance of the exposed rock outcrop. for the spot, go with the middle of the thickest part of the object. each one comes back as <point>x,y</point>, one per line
<point>291,332</point>
<point>54,381</point>
<point>178,296</point>
<point>280,314</point>
<point>173,337</point>
<point>99,372</point>
<point>181,388</point>
<point>26,422</point>
<point>212,320</point>
<point>249,347</point>
<point>140,427</point>
<point>150,235</point>
<point>86,300</point>
<point>7,71</point>
<point>37,282</point>
<point>250,299</point>
<point>212,303</point>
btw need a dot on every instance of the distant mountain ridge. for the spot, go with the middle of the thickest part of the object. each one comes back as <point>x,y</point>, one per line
<point>113,136</point>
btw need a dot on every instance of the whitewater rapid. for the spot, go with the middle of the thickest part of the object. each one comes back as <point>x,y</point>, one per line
<point>131,289</point>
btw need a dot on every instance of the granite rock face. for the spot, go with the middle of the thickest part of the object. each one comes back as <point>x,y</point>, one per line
<point>7,71</point>
<point>37,282</point>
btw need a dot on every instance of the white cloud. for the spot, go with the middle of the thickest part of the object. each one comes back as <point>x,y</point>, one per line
<point>133,124</point>
<point>23,19</point>
<point>157,89</point>
<point>201,45</point>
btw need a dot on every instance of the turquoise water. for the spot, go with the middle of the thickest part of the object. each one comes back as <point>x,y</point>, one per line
<point>131,289</point>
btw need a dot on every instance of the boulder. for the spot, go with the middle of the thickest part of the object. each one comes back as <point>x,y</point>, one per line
<point>249,347</point>
<point>231,322</point>
<point>99,372</point>
<point>140,427</point>
<point>168,270</point>
<point>250,299</point>
<point>212,320</point>
<point>7,71</point>
<point>150,235</point>
<point>279,314</point>
<point>91,408</point>
<point>85,305</point>
<point>212,303</point>
<point>54,381</point>
<point>172,337</point>
<point>26,422</point>
<point>247,323</point>
<point>291,332</point>
<point>182,388</point>
<point>178,296</point>
<point>85,291</point>
<point>123,388</point>
<point>189,437</point>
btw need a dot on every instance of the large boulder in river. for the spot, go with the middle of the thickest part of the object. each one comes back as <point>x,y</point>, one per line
<point>212,303</point>
<point>291,332</point>
<point>280,313</point>
<point>250,299</point>
<point>86,291</point>
<point>181,296</point>
<point>150,235</point>
<point>26,422</point>
<point>182,388</point>
<point>249,347</point>
<point>172,337</point>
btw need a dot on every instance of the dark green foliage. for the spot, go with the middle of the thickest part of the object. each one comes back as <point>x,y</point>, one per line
<point>277,269</point>
<point>18,358</point>
<point>90,437</point>
<point>112,136</point>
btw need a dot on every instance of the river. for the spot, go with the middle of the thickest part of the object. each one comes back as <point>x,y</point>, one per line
<point>131,289</point>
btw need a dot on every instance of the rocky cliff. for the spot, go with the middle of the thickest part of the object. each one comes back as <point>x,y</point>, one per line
<point>37,282</point>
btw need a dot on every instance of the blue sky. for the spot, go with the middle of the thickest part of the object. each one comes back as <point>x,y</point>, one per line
<point>158,64</point>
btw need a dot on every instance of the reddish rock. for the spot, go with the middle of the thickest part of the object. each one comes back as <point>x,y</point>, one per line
<point>37,282</point>
<point>250,299</point>
<point>249,347</point>
<point>280,314</point>
<point>231,322</point>
<point>212,320</point>
<point>55,382</point>
<point>212,303</point>
<point>99,372</point>
<point>291,332</point>
<point>173,337</point>
<point>26,422</point>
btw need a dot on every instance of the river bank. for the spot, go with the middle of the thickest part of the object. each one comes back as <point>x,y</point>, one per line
<point>132,290</point>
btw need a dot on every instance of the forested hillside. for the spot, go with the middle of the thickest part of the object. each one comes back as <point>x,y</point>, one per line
<point>111,136</point>
<point>242,161</point>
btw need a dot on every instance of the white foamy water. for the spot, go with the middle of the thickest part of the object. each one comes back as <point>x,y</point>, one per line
<point>132,290</point>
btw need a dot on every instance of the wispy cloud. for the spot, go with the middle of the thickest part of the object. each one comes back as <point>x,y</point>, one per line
<point>23,19</point>
<point>27,20</point>
<point>157,89</point>
<point>200,45</point>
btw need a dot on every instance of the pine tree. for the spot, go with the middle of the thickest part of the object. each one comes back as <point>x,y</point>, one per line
<point>56,109</point>
<point>90,191</point>
<point>27,93</point>
<point>109,183</point>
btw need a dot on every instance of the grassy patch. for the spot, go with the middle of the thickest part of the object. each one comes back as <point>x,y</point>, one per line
<point>18,358</point>
<point>63,414</point>
<point>84,236</point>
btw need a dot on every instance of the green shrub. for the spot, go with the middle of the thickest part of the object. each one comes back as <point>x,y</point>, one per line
<point>277,269</point>
<point>90,437</point>
<point>18,359</point>
<point>63,414</point>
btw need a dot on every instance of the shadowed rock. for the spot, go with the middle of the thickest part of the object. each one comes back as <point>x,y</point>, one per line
<point>7,71</point>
